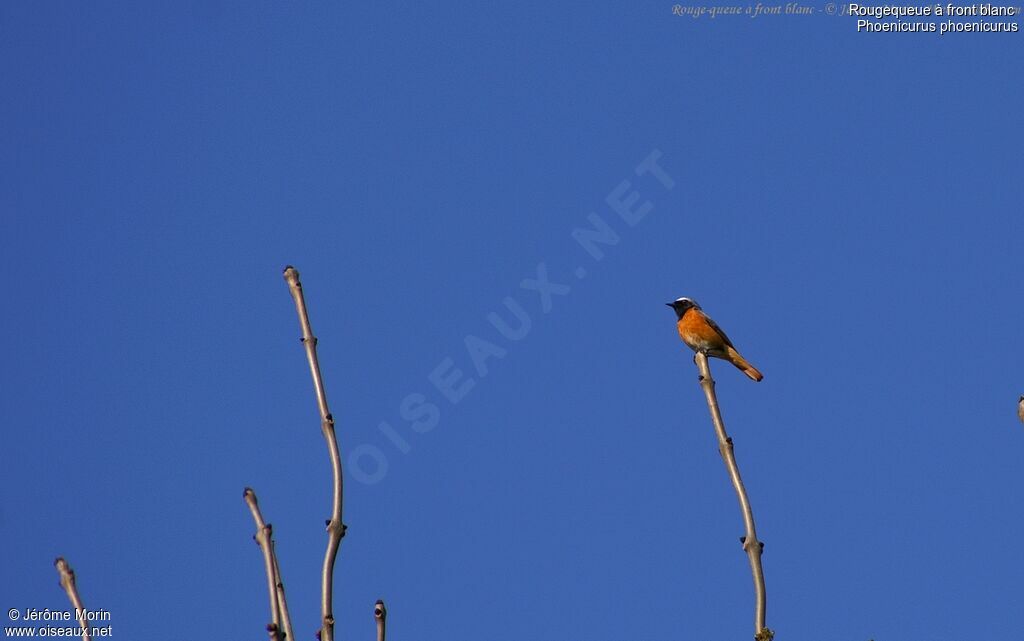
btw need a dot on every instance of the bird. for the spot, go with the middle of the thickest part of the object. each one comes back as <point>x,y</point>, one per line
<point>701,334</point>
<point>1020,409</point>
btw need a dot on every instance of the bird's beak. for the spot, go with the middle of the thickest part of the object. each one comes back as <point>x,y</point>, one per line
<point>670,304</point>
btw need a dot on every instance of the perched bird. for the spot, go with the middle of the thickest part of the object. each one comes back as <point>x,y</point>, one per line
<point>1020,409</point>
<point>702,334</point>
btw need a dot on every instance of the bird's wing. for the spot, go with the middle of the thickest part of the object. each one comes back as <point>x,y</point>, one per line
<point>718,329</point>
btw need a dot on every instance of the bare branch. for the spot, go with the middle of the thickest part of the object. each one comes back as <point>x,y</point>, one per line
<point>751,545</point>
<point>335,527</point>
<point>280,624</point>
<point>67,581</point>
<point>286,619</point>
<point>380,613</point>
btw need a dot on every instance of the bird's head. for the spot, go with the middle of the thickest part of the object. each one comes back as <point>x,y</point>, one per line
<point>680,305</point>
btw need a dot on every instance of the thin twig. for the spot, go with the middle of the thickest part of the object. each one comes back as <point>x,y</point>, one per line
<point>286,619</point>
<point>335,527</point>
<point>751,545</point>
<point>67,581</point>
<point>280,624</point>
<point>380,613</point>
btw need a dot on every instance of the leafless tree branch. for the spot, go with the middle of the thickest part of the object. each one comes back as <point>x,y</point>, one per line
<point>286,619</point>
<point>335,527</point>
<point>67,581</point>
<point>280,623</point>
<point>751,545</point>
<point>380,613</point>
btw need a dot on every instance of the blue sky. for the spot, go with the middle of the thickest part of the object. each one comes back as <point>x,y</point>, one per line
<point>847,206</point>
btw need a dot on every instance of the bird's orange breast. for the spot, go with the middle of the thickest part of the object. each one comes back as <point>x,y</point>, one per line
<point>697,332</point>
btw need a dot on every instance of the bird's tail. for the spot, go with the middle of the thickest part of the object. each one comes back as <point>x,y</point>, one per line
<point>734,357</point>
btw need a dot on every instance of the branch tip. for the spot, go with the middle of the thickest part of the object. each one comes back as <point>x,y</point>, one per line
<point>280,626</point>
<point>380,613</point>
<point>67,581</point>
